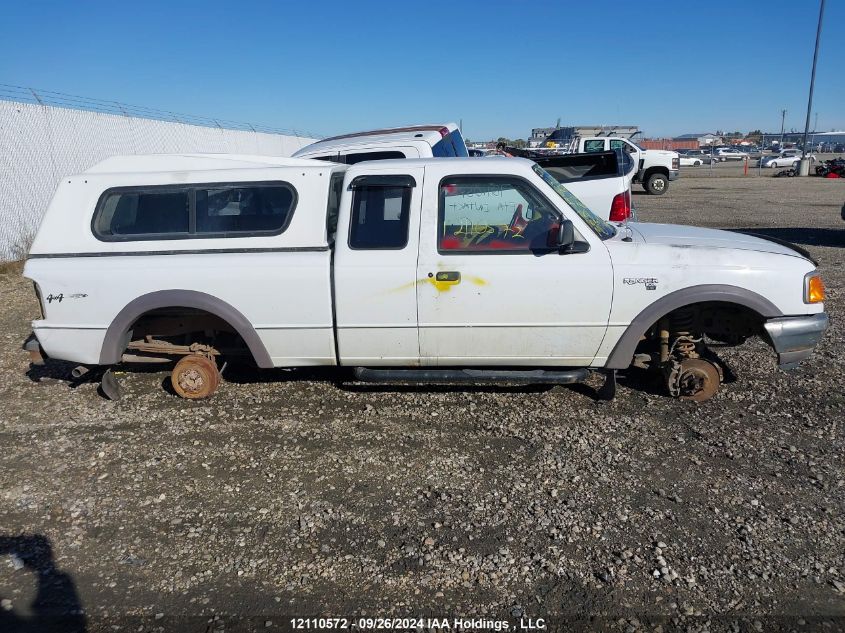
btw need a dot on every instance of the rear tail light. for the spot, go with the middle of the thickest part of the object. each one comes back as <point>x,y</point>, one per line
<point>676,163</point>
<point>41,314</point>
<point>620,208</point>
<point>444,132</point>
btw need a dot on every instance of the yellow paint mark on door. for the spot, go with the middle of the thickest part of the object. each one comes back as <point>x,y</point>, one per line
<point>441,286</point>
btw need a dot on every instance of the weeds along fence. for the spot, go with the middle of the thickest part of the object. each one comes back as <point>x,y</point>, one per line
<point>47,135</point>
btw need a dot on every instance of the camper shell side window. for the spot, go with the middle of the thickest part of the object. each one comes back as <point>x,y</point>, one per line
<point>194,211</point>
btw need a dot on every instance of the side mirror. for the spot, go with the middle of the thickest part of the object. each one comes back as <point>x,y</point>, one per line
<point>565,236</point>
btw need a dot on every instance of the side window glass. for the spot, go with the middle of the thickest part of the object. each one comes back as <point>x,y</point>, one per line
<point>253,209</point>
<point>617,145</point>
<point>594,145</point>
<point>335,191</point>
<point>380,217</point>
<point>483,214</point>
<point>126,214</point>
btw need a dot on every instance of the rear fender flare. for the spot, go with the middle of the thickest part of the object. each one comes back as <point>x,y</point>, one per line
<point>117,334</point>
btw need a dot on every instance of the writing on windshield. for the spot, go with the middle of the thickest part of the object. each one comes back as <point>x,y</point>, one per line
<point>596,224</point>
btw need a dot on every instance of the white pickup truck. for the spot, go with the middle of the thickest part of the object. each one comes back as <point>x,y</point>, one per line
<point>407,270</point>
<point>655,167</point>
<point>597,179</point>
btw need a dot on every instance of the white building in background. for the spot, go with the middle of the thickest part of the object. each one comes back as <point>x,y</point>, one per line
<point>39,144</point>
<point>705,139</point>
<point>836,137</point>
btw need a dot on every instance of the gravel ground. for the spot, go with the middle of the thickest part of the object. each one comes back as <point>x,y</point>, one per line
<point>290,494</point>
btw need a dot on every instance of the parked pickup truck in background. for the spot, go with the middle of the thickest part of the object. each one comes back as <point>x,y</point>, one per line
<point>478,270</point>
<point>598,180</point>
<point>655,167</point>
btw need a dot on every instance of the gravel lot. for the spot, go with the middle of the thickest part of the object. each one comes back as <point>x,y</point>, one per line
<point>289,493</point>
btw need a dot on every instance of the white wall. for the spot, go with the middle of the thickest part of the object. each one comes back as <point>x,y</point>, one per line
<point>40,144</point>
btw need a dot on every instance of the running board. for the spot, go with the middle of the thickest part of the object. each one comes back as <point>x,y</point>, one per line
<point>533,376</point>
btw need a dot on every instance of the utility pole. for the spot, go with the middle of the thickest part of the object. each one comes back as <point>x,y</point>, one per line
<point>782,122</point>
<point>805,165</point>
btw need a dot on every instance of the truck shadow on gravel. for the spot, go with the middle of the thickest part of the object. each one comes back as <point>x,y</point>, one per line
<point>809,236</point>
<point>242,374</point>
<point>60,371</point>
<point>57,370</point>
<point>344,380</point>
<point>55,606</point>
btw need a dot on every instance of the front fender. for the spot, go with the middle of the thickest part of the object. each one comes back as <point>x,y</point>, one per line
<point>623,351</point>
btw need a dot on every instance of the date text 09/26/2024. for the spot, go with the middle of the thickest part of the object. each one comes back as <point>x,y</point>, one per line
<point>412,624</point>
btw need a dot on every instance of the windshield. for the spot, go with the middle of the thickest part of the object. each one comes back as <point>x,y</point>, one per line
<point>598,226</point>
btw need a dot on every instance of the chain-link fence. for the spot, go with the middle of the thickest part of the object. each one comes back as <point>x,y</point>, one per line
<point>46,135</point>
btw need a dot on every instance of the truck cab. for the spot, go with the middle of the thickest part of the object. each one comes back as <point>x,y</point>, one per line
<point>433,268</point>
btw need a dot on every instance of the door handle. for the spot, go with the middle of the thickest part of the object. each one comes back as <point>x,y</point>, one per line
<point>447,275</point>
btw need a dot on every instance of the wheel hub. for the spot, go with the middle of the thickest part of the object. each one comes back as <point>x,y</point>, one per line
<point>195,377</point>
<point>698,380</point>
<point>191,380</point>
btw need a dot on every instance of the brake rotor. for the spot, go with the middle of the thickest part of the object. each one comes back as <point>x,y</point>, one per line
<point>698,379</point>
<point>195,377</point>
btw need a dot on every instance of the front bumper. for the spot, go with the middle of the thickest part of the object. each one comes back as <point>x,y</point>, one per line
<point>674,174</point>
<point>795,337</point>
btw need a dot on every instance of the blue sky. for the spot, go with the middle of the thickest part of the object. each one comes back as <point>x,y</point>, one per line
<point>502,67</point>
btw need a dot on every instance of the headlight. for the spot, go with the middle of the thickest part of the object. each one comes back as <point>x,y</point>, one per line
<point>813,288</point>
